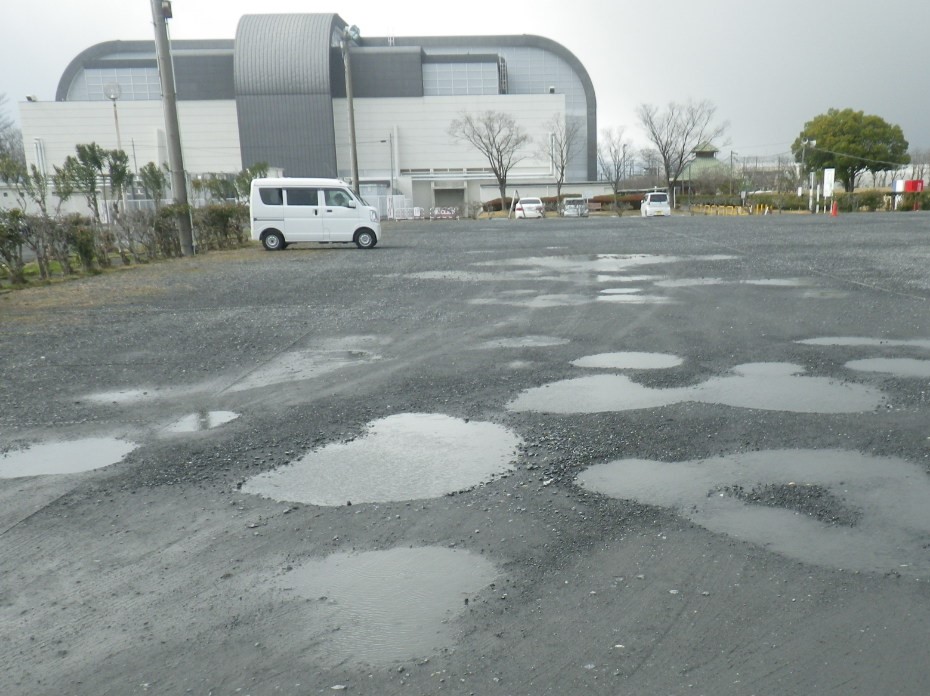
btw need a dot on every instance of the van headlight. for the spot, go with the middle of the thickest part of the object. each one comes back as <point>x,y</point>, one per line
<point>373,215</point>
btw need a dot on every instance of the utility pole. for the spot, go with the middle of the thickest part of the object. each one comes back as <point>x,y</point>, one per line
<point>161,11</point>
<point>350,34</point>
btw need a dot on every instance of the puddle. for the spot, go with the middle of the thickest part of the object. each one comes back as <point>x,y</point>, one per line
<point>867,342</point>
<point>603,263</point>
<point>402,457</point>
<point>899,367</point>
<point>525,342</point>
<point>689,282</point>
<point>538,302</point>
<point>621,291</point>
<point>763,282</point>
<point>632,298</point>
<point>125,396</point>
<point>301,365</point>
<point>204,420</point>
<point>628,278</point>
<point>629,361</point>
<point>381,607</point>
<point>67,457</point>
<point>779,282</point>
<point>765,386</point>
<point>843,509</point>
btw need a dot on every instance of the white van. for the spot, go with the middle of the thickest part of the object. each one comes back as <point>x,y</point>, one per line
<point>654,204</point>
<point>289,210</point>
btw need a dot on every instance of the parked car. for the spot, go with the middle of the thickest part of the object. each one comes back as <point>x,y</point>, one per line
<point>285,211</point>
<point>530,208</point>
<point>574,207</point>
<point>655,204</point>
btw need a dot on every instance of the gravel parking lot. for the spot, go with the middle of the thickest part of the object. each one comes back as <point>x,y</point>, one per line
<point>684,455</point>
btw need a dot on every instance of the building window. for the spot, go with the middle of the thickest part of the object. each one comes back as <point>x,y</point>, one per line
<point>448,79</point>
<point>135,84</point>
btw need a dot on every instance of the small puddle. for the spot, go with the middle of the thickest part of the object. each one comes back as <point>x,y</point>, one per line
<point>525,342</point>
<point>621,291</point>
<point>66,457</point>
<point>867,342</point>
<point>629,361</point>
<point>899,367</point>
<point>407,456</point>
<point>835,508</point>
<point>123,396</point>
<point>204,420</point>
<point>766,386</point>
<point>381,607</point>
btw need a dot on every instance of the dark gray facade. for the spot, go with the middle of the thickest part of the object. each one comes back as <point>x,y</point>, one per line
<point>284,97</point>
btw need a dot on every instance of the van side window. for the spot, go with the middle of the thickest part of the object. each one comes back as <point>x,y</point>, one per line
<point>337,198</point>
<point>302,196</point>
<point>271,196</point>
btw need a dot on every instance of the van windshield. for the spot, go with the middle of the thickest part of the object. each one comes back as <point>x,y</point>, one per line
<point>658,198</point>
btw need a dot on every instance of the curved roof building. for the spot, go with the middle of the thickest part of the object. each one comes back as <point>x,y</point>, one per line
<point>280,86</point>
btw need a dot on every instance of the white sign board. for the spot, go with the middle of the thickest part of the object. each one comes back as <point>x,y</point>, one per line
<point>829,178</point>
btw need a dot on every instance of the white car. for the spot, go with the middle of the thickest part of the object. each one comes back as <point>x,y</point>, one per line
<point>574,207</point>
<point>530,208</point>
<point>655,204</point>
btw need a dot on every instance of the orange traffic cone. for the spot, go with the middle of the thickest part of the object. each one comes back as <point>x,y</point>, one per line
<point>834,209</point>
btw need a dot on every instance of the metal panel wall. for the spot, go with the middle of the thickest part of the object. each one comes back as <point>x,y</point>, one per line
<point>283,93</point>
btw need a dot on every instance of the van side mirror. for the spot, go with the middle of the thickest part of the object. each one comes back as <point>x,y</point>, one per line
<point>351,204</point>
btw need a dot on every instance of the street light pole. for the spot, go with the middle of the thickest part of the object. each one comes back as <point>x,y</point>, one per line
<point>731,170</point>
<point>351,34</point>
<point>113,93</point>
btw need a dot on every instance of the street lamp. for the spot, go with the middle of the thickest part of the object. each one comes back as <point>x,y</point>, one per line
<point>390,142</point>
<point>112,91</point>
<point>810,175</point>
<point>350,34</point>
<point>731,170</point>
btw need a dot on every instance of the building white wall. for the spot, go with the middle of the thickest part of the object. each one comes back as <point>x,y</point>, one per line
<point>209,132</point>
<point>423,148</point>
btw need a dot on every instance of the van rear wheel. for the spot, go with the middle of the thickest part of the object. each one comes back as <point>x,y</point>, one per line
<point>273,241</point>
<point>365,239</point>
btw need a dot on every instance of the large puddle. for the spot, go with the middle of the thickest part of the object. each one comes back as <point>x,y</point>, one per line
<point>65,457</point>
<point>203,420</point>
<point>835,508</point>
<point>402,457</point>
<point>386,606</point>
<point>766,386</point>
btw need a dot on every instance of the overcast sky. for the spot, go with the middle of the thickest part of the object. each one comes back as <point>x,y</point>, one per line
<point>768,67</point>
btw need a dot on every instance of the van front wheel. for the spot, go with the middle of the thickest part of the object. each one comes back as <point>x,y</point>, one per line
<point>365,239</point>
<point>273,241</point>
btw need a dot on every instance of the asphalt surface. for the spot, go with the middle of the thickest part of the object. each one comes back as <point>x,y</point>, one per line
<point>754,525</point>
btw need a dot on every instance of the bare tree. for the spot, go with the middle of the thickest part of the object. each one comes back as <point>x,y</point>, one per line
<point>495,135</point>
<point>613,159</point>
<point>11,139</point>
<point>677,131</point>
<point>561,145</point>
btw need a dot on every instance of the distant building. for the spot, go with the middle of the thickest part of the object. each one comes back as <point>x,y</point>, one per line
<point>276,94</point>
